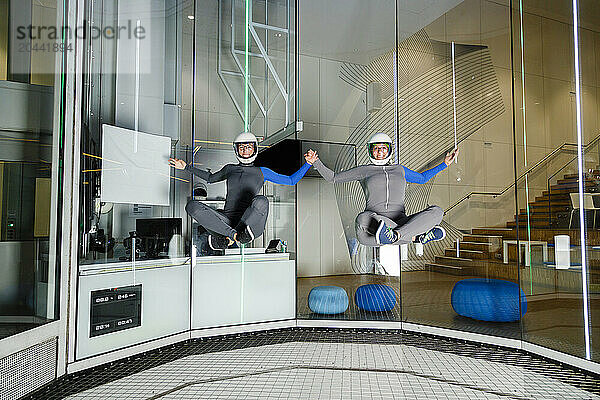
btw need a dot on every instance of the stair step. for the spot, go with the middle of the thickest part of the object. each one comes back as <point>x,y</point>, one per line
<point>472,254</point>
<point>480,246</point>
<point>454,261</point>
<point>508,233</point>
<point>554,196</point>
<point>545,209</point>
<point>534,216</point>
<point>561,183</point>
<point>587,174</point>
<point>561,191</point>
<point>482,238</point>
<point>554,202</point>
<point>568,190</point>
<point>523,223</point>
<point>449,269</point>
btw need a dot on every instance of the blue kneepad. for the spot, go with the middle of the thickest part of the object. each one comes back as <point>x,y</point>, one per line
<point>492,300</point>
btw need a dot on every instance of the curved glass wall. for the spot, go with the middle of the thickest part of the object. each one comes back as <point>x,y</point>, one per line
<point>347,83</point>
<point>513,86</point>
<point>460,96</point>
<point>510,84</point>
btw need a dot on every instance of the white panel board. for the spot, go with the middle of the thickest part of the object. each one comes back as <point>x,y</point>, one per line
<point>264,285</point>
<point>165,304</point>
<point>135,167</point>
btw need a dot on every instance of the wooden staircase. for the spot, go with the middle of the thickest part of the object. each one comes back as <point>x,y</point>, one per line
<point>480,252</point>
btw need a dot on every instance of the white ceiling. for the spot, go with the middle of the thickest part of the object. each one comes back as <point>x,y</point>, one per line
<point>359,30</point>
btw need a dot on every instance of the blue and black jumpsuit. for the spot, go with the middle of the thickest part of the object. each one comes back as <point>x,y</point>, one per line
<point>244,207</point>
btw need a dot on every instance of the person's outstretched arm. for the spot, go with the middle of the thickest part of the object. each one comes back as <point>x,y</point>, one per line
<point>353,174</point>
<point>208,176</point>
<point>280,179</point>
<point>422,177</point>
<point>200,173</point>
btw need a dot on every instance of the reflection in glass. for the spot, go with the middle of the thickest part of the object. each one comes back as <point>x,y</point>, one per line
<point>30,174</point>
<point>134,120</point>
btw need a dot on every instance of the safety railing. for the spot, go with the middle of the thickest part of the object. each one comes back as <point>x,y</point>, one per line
<point>560,149</point>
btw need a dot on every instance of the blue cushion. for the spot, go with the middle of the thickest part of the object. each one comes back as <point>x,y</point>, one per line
<point>375,297</point>
<point>488,300</point>
<point>327,300</point>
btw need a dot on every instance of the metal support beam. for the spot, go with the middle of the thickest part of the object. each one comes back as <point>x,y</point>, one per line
<point>271,74</point>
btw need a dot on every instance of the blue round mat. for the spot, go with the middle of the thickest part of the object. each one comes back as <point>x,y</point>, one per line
<point>328,300</point>
<point>375,297</point>
<point>492,300</point>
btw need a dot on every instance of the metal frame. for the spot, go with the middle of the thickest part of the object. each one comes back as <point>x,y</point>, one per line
<point>71,201</point>
<point>68,68</point>
<point>270,71</point>
<point>580,149</point>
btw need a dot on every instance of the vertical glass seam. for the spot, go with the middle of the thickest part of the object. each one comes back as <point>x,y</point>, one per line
<point>586,316</point>
<point>246,69</point>
<point>528,252</point>
<point>514,137</point>
<point>454,95</point>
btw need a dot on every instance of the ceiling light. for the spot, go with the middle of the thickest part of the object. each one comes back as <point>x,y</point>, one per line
<point>190,17</point>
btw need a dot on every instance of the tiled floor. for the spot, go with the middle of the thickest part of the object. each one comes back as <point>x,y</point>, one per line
<point>328,364</point>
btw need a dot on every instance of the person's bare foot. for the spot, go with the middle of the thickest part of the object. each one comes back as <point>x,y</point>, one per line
<point>230,242</point>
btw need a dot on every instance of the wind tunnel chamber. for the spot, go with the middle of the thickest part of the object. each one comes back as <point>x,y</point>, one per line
<point>327,76</point>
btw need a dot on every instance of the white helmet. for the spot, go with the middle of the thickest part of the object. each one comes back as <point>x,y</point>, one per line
<point>245,137</point>
<point>380,138</point>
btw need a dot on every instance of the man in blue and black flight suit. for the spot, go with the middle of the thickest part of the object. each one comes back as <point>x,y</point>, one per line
<point>244,215</point>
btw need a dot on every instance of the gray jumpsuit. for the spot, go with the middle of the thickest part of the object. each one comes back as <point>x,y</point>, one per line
<point>384,188</point>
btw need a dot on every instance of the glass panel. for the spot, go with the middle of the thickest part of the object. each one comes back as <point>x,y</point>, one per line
<point>588,38</point>
<point>134,268</point>
<point>29,172</point>
<point>347,94</point>
<point>226,103</point>
<point>243,83</point>
<point>161,181</point>
<point>133,123</point>
<point>549,196</point>
<point>455,89</point>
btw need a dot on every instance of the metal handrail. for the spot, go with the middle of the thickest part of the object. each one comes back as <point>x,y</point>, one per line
<point>536,165</point>
<point>565,166</point>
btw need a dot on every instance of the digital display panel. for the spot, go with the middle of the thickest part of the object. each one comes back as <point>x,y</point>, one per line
<point>115,309</point>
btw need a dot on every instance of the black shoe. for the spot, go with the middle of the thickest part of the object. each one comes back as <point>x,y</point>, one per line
<point>245,236</point>
<point>218,242</point>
